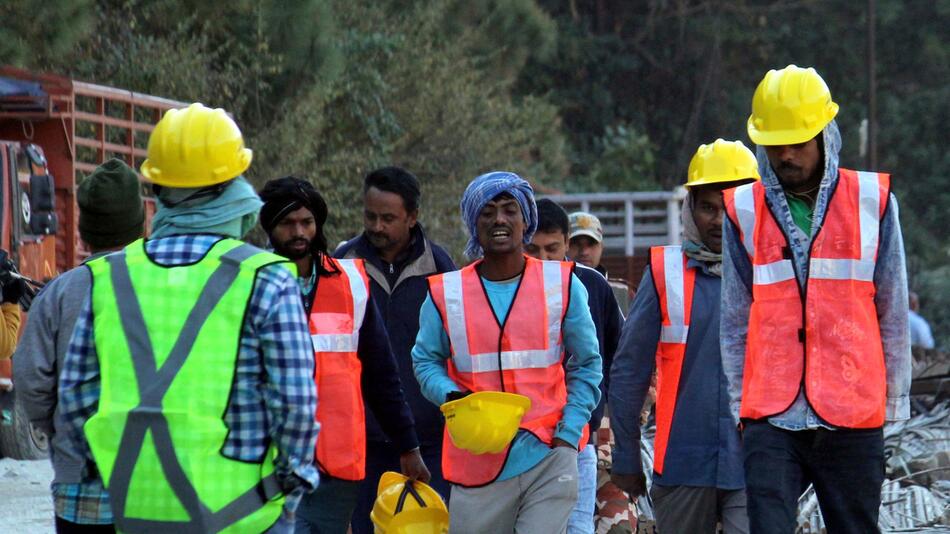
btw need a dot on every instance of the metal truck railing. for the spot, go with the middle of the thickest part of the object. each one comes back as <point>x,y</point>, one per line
<point>632,221</point>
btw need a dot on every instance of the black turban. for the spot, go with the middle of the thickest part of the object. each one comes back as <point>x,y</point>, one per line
<point>288,194</point>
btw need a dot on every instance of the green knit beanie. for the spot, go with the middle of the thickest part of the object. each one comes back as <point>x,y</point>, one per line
<point>111,213</point>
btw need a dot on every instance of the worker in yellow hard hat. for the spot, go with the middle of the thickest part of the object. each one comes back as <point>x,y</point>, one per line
<point>190,374</point>
<point>673,328</point>
<point>814,313</point>
<point>494,330</point>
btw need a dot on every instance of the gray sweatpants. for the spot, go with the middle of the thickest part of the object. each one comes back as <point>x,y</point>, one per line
<point>697,510</point>
<point>537,501</point>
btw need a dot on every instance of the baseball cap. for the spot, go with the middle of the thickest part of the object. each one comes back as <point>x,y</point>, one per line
<point>583,223</point>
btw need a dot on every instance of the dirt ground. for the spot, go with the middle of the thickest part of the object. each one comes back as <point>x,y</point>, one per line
<point>25,502</point>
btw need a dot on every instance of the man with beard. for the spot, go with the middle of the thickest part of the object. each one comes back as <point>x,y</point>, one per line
<point>814,329</point>
<point>503,323</point>
<point>398,257</point>
<point>352,355</point>
<point>673,328</point>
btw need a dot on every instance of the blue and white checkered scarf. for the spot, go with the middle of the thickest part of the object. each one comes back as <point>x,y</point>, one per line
<point>486,187</point>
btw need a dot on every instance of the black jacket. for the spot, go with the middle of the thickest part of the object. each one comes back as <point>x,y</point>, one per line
<point>399,290</point>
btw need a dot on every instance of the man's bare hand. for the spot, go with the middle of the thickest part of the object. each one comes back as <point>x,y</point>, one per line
<point>411,465</point>
<point>635,485</point>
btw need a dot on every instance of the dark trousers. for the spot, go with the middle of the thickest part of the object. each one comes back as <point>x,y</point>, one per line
<point>381,457</point>
<point>68,527</point>
<point>845,466</point>
<point>699,509</point>
<point>328,509</point>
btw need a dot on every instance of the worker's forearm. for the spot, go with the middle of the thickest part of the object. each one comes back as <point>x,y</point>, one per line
<point>631,375</point>
<point>429,356</point>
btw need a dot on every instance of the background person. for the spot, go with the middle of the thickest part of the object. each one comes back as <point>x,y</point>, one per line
<point>549,243</point>
<point>398,257</point>
<point>673,328</point>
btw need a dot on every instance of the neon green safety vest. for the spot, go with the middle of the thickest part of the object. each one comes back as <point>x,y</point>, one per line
<point>167,340</point>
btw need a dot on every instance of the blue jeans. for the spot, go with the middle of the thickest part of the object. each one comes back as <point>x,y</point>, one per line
<point>328,509</point>
<point>582,517</point>
<point>846,466</point>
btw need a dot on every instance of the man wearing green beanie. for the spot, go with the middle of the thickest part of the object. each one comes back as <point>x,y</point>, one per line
<point>111,215</point>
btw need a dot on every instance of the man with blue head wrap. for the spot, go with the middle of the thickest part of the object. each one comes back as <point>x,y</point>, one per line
<point>505,322</point>
<point>483,190</point>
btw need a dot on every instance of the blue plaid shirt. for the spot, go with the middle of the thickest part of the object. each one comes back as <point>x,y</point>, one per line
<point>275,342</point>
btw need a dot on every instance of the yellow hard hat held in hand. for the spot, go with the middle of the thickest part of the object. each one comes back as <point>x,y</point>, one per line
<point>404,506</point>
<point>195,147</point>
<point>485,422</point>
<point>790,106</point>
<point>722,162</point>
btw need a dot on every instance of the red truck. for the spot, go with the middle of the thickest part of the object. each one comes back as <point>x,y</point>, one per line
<point>53,132</point>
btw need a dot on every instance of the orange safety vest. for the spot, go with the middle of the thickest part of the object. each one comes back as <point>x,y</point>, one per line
<point>674,284</point>
<point>336,316</point>
<point>823,337</point>
<point>522,355</point>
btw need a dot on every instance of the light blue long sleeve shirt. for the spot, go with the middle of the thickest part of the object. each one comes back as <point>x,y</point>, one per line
<point>583,370</point>
<point>890,299</point>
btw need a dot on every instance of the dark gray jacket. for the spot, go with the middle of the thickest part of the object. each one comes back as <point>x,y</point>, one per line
<point>39,358</point>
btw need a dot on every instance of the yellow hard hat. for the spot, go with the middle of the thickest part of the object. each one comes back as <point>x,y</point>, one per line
<point>485,422</point>
<point>790,106</point>
<point>195,147</point>
<point>404,507</point>
<point>721,162</point>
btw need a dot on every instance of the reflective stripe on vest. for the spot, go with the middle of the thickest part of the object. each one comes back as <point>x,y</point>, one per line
<point>336,316</point>
<point>521,355</point>
<point>466,362</point>
<point>862,268</point>
<point>674,284</point>
<point>830,342</point>
<point>166,482</point>
<point>346,341</point>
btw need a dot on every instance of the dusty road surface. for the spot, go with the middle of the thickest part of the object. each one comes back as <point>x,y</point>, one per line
<point>25,502</point>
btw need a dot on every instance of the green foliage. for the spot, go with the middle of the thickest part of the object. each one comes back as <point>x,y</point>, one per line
<point>40,32</point>
<point>408,96</point>
<point>581,96</point>
<point>625,163</point>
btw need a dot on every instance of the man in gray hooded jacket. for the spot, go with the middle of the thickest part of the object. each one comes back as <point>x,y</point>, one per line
<point>111,216</point>
<point>814,331</point>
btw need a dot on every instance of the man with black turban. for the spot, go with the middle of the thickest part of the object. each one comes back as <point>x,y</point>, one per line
<point>352,355</point>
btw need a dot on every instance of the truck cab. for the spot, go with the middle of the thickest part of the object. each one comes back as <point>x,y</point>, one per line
<point>53,132</point>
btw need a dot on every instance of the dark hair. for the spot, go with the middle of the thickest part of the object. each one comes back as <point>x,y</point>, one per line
<point>395,180</point>
<point>283,195</point>
<point>552,217</point>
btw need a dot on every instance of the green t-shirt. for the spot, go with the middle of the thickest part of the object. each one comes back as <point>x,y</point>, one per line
<point>801,213</point>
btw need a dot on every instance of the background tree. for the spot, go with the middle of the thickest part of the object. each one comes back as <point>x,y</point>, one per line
<point>596,95</point>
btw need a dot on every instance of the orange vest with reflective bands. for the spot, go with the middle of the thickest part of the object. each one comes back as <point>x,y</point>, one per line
<point>674,284</point>
<point>336,316</point>
<point>825,336</point>
<point>523,355</point>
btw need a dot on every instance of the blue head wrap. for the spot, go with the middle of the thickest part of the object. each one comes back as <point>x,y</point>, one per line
<point>488,186</point>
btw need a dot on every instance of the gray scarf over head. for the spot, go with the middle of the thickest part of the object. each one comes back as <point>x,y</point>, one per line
<point>693,245</point>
